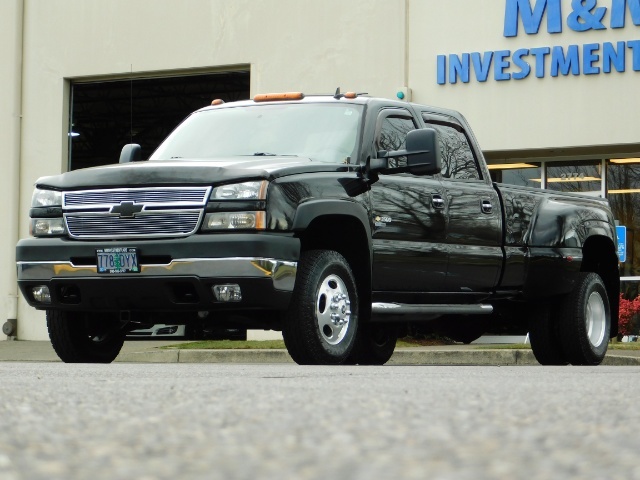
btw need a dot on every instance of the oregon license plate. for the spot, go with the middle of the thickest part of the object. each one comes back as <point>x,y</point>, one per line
<point>117,260</point>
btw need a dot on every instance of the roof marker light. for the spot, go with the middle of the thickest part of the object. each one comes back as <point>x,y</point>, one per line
<point>217,101</point>
<point>274,97</point>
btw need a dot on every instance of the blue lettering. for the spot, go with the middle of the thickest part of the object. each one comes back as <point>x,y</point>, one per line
<point>540,54</point>
<point>586,16</point>
<point>518,61</point>
<point>589,57</point>
<point>562,64</point>
<point>442,69</point>
<point>611,56</point>
<point>532,16</point>
<point>619,12</point>
<point>459,67</point>
<point>481,65</point>
<point>634,46</point>
<point>501,64</point>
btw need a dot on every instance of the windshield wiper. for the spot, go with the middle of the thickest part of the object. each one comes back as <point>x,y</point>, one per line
<point>264,154</point>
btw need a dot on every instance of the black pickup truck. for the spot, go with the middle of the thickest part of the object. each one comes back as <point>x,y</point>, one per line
<point>341,220</point>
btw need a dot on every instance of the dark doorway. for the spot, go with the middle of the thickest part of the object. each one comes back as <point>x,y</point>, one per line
<point>107,115</point>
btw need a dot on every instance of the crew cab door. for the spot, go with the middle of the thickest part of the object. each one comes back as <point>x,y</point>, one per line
<point>409,252</point>
<point>472,208</point>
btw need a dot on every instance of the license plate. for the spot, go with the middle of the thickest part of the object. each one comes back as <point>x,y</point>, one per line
<point>117,260</point>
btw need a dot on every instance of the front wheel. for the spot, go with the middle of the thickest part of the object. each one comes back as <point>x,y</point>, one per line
<point>82,337</point>
<point>584,320</point>
<point>322,321</point>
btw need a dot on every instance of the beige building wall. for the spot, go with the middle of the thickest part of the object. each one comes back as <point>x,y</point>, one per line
<point>374,46</point>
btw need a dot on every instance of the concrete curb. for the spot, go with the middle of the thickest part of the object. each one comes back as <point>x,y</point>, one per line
<point>462,357</point>
<point>621,360</point>
<point>206,356</point>
<point>400,357</point>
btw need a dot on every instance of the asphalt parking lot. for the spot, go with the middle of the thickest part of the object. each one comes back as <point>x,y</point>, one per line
<point>283,421</point>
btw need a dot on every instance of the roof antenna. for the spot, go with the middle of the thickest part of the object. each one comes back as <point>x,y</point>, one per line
<point>338,95</point>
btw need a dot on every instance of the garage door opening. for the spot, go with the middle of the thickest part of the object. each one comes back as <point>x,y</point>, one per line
<point>107,115</point>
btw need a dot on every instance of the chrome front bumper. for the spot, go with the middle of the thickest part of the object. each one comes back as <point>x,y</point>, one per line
<point>282,273</point>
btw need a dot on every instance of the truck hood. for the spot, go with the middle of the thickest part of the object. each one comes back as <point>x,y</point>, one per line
<point>187,172</point>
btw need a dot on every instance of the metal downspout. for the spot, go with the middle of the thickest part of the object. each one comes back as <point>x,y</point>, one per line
<point>10,326</point>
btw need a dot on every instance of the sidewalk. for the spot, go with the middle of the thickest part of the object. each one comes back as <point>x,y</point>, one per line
<point>146,351</point>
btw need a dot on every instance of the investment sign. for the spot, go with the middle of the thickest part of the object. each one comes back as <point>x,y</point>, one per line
<point>554,60</point>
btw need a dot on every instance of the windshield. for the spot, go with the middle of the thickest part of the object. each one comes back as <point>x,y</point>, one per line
<point>321,132</point>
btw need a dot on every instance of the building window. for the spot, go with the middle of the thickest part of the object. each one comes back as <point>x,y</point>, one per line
<point>623,192</point>
<point>106,115</point>
<point>583,177</point>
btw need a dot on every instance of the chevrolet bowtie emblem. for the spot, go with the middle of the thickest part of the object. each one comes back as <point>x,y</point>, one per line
<point>127,209</point>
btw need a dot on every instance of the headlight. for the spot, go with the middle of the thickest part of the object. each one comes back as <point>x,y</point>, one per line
<point>46,198</point>
<point>46,227</point>
<point>241,191</point>
<point>234,220</point>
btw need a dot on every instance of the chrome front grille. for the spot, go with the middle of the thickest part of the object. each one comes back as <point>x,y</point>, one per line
<point>134,212</point>
<point>150,196</point>
<point>157,224</point>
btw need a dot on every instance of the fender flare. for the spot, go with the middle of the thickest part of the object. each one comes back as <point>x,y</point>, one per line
<point>309,211</point>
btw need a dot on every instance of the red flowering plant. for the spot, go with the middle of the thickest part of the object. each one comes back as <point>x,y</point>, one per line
<point>628,323</point>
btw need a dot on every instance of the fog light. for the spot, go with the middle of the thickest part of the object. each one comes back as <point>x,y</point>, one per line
<point>41,294</point>
<point>167,330</point>
<point>227,293</point>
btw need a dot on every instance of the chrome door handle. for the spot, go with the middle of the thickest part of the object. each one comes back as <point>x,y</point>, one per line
<point>486,206</point>
<point>437,201</point>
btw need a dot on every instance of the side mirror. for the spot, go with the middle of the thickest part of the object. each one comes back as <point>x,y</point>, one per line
<point>130,153</point>
<point>423,152</point>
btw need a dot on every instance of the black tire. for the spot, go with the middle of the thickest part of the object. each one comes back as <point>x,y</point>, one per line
<point>374,345</point>
<point>544,335</point>
<point>193,331</point>
<point>584,320</point>
<point>322,321</point>
<point>82,337</point>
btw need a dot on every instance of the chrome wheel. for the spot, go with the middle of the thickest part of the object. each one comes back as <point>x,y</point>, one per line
<point>596,319</point>
<point>333,309</point>
<point>321,324</point>
<point>584,321</point>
